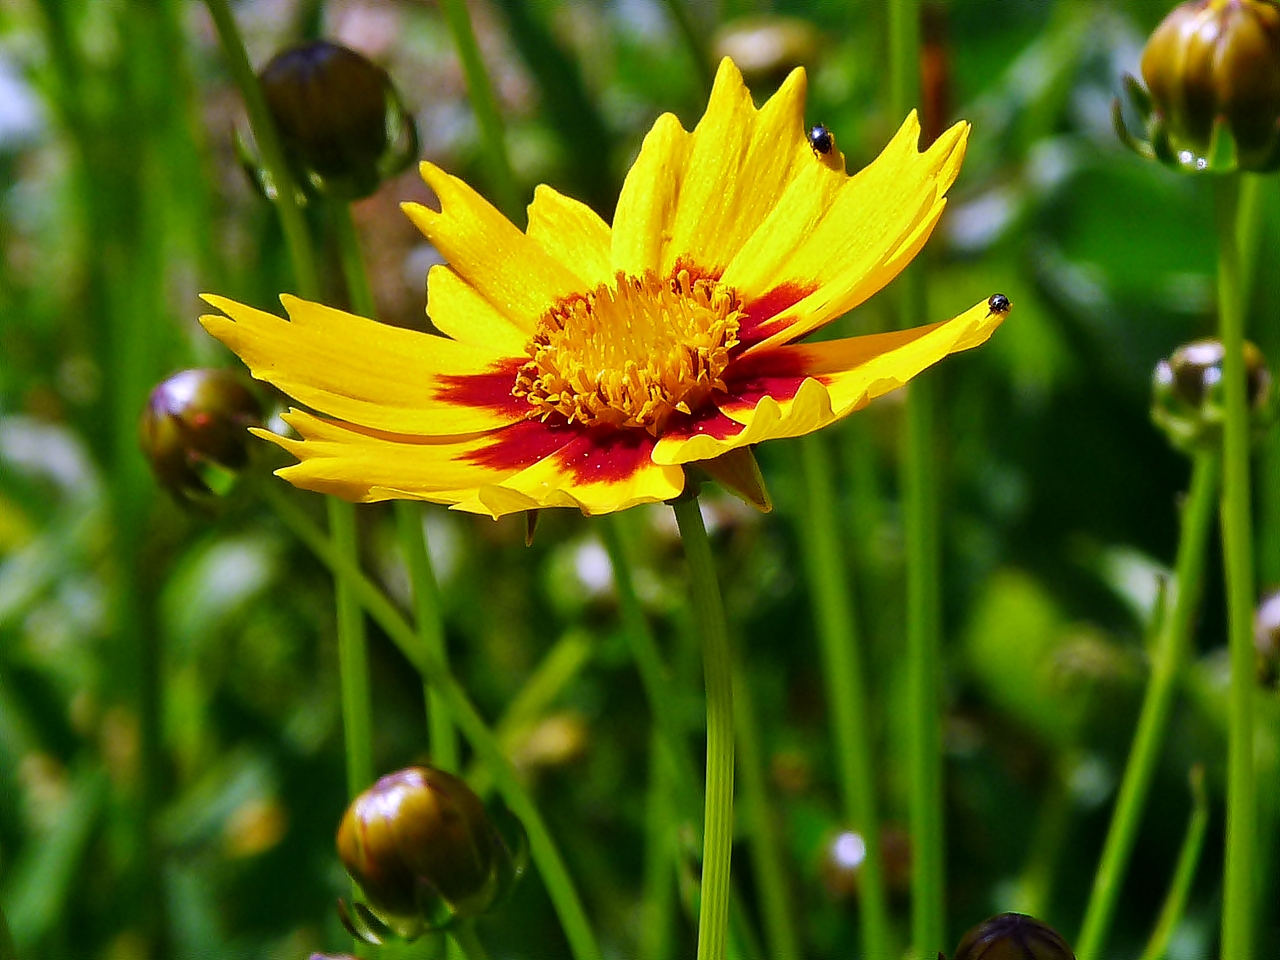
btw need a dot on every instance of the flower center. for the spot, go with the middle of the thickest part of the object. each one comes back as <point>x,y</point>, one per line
<point>631,356</point>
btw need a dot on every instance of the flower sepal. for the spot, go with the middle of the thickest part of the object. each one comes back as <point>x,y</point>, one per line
<point>1155,142</point>
<point>739,473</point>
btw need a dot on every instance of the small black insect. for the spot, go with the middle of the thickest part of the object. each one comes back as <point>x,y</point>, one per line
<point>821,139</point>
<point>998,303</point>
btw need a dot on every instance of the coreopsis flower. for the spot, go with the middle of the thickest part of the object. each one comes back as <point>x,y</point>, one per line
<point>585,365</point>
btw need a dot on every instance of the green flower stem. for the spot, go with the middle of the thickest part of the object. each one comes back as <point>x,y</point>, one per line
<point>1168,658</point>
<point>463,937</point>
<point>694,42</point>
<point>757,815</point>
<point>413,538</point>
<point>717,837</point>
<point>7,950</point>
<point>264,133</point>
<point>1188,859</point>
<point>659,886</point>
<point>557,670</point>
<point>1237,544</point>
<point>357,708</point>
<point>832,598</point>
<point>353,658</point>
<point>678,776</point>
<point>560,886</point>
<point>920,509</point>
<point>359,290</point>
<point>480,91</point>
<point>924,659</point>
<point>430,624</point>
<point>654,675</point>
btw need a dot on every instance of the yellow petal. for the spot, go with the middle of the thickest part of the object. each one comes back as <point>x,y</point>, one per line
<point>647,204</point>
<point>457,310</point>
<point>871,228</point>
<point>370,373</point>
<point>572,234</point>
<point>740,163</point>
<point>795,389</point>
<point>365,466</point>
<point>510,270</point>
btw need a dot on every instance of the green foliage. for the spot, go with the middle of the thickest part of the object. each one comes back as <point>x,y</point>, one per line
<point>171,753</point>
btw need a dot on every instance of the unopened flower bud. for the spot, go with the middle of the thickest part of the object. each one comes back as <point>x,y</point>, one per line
<point>1266,640</point>
<point>342,125</point>
<point>1188,403</point>
<point>193,430</point>
<point>1212,70</point>
<point>424,851</point>
<point>1013,936</point>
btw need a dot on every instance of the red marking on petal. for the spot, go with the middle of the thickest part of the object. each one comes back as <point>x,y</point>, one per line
<point>770,373</point>
<point>760,311</point>
<point>708,422</point>
<point>490,391</point>
<point>521,445</point>
<point>600,456</point>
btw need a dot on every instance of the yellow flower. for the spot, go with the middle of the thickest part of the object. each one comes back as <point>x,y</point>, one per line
<point>584,365</point>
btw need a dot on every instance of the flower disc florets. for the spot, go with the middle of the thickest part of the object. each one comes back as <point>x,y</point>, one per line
<point>631,355</point>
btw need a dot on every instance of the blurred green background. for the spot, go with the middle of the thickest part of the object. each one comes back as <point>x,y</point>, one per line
<point>121,199</point>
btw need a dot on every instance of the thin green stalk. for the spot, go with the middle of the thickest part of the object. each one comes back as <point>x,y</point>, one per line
<point>430,624</point>
<point>413,536</point>
<point>924,659</point>
<point>827,572</point>
<point>694,41</point>
<point>1175,903</point>
<point>1237,548</point>
<point>542,849</point>
<point>562,665</point>
<point>264,133</point>
<point>717,837</point>
<point>463,937</point>
<point>659,885</point>
<point>1046,847</point>
<point>480,92</point>
<point>7,951</point>
<point>920,510</point>
<point>757,815</point>
<point>353,658</point>
<point>680,778</point>
<point>1168,658</point>
<point>357,709</point>
<point>654,675</point>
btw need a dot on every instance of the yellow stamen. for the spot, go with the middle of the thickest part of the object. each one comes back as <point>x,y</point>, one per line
<point>633,354</point>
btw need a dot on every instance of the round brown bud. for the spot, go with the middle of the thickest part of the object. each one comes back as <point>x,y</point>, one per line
<point>1013,936</point>
<point>424,851</point>
<point>1212,68</point>
<point>193,430</point>
<point>1187,400</point>
<point>342,125</point>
